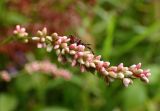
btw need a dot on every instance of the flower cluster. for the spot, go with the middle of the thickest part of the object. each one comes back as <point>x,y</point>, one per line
<point>48,68</point>
<point>43,40</point>
<point>4,75</point>
<point>78,55</point>
<point>36,66</point>
<point>21,32</point>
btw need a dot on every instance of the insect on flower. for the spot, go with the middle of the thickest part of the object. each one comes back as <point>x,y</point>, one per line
<point>74,39</point>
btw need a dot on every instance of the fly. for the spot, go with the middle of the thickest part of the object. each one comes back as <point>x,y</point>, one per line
<point>74,39</point>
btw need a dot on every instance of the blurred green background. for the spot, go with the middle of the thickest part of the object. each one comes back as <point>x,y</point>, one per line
<point>125,31</point>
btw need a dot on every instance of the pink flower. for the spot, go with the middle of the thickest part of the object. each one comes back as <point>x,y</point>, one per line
<point>20,31</point>
<point>5,76</point>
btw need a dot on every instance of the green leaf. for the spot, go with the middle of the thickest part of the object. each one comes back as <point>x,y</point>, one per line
<point>137,39</point>
<point>7,102</point>
<point>23,82</point>
<point>99,27</point>
<point>108,41</point>
<point>15,18</point>
<point>101,12</point>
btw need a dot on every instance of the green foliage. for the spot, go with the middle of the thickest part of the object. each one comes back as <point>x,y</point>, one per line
<point>55,109</point>
<point>137,39</point>
<point>108,42</point>
<point>10,17</point>
<point>7,102</point>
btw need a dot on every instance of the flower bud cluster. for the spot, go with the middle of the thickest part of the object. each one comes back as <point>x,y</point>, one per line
<point>79,55</point>
<point>36,66</point>
<point>43,40</point>
<point>21,32</point>
<point>4,75</point>
<point>48,68</point>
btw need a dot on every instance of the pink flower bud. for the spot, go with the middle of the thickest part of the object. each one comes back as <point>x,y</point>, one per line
<point>80,48</point>
<point>87,64</point>
<point>138,66</point>
<point>39,45</point>
<point>103,70</point>
<point>5,76</point>
<point>82,68</point>
<point>73,46</point>
<point>72,52</point>
<point>64,45</point>
<point>59,41</point>
<point>145,79</point>
<point>73,62</point>
<point>112,68</point>
<point>120,67</point>
<point>66,49</point>
<point>127,81</point>
<point>56,46</point>
<point>139,71</point>
<point>98,57</point>
<point>80,54</point>
<point>112,74</point>
<point>60,58</point>
<point>92,65</point>
<point>106,64</point>
<point>128,73</point>
<point>120,75</point>
<point>80,60</point>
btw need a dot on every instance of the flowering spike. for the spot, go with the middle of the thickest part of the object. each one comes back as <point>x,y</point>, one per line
<point>79,55</point>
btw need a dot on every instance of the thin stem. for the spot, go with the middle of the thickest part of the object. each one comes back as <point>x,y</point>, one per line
<point>7,40</point>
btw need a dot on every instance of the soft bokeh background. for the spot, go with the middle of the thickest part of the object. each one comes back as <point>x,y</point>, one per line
<point>125,31</point>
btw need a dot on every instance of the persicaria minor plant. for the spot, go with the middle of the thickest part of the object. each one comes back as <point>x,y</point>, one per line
<point>72,50</point>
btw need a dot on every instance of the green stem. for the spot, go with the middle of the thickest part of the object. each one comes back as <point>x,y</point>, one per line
<point>7,40</point>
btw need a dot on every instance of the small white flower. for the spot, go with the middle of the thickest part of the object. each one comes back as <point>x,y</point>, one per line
<point>87,64</point>
<point>67,49</point>
<point>72,52</point>
<point>92,65</point>
<point>39,45</point>
<point>128,73</point>
<point>81,61</point>
<point>64,45</point>
<point>26,40</point>
<point>104,71</point>
<point>133,66</point>
<point>58,51</point>
<point>113,74</point>
<point>49,48</point>
<point>139,71</point>
<point>43,39</point>
<point>35,38</point>
<point>120,75</point>
<point>49,38</point>
<point>63,51</point>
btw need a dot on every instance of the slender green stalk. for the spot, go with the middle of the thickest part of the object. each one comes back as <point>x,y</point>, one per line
<point>7,40</point>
